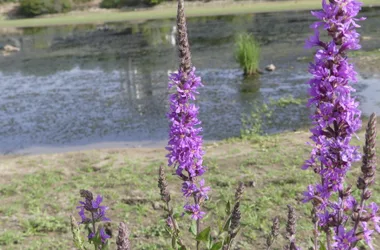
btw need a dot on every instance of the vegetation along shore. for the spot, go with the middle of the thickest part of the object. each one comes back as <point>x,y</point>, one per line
<point>164,10</point>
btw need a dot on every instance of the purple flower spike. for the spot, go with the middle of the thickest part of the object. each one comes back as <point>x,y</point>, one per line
<point>185,140</point>
<point>335,122</point>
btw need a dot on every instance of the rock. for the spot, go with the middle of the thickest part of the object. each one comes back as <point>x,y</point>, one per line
<point>10,48</point>
<point>103,28</point>
<point>250,184</point>
<point>270,67</point>
<point>156,205</point>
<point>13,41</point>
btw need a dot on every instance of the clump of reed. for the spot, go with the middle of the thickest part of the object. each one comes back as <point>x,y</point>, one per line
<point>247,53</point>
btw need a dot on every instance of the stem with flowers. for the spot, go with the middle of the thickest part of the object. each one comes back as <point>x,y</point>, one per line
<point>185,140</point>
<point>336,119</point>
<point>99,238</point>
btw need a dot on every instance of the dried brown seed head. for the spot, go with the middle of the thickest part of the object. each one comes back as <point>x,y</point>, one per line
<point>86,194</point>
<point>291,224</point>
<point>182,39</point>
<point>239,192</point>
<point>122,240</point>
<point>163,185</point>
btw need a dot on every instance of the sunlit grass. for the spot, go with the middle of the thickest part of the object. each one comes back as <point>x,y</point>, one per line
<point>42,191</point>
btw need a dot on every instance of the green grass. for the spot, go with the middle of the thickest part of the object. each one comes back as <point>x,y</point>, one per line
<point>167,12</point>
<point>247,53</point>
<point>40,192</point>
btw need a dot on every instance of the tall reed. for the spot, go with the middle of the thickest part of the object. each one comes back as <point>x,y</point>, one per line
<point>247,53</point>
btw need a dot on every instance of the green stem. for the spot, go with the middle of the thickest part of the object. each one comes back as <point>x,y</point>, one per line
<point>198,222</point>
<point>361,207</point>
<point>328,239</point>
<point>176,230</point>
<point>94,229</point>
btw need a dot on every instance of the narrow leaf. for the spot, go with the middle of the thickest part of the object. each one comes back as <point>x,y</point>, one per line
<point>174,242</point>
<point>227,225</point>
<point>228,208</point>
<point>193,228</point>
<point>322,246</point>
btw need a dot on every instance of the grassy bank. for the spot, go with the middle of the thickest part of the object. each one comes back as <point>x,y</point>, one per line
<point>167,12</point>
<point>39,192</point>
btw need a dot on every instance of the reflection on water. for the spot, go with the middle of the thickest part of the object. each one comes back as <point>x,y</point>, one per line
<point>250,84</point>
<point>77,85</point>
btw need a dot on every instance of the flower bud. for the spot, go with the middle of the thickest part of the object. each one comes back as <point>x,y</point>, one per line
<point>367,194</point>
<point>361,183</point>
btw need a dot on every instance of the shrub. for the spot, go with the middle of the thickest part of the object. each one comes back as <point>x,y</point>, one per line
<point>32,8</point>
<point>152,2</point>
<point>81,1</point>
<point>108,4</point>
<point>128,3</point>
<point>247,53</point>
<point>8,1</point>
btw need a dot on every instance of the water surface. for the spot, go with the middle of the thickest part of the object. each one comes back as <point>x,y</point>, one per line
<point>71,87</point>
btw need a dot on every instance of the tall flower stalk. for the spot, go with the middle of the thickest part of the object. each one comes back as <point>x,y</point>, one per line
<point>185,140</point>
<point>336,119</point>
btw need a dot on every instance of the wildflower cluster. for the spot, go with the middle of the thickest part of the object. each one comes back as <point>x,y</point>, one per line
<point>335,121</point>
<point>97,236</point>
<point>97,214</point>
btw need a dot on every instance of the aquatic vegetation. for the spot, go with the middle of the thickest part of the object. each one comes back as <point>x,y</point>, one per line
<point>264,116</point>
<point>247,53</point>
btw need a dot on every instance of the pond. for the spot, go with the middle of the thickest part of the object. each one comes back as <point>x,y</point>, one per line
<point>88,86</point>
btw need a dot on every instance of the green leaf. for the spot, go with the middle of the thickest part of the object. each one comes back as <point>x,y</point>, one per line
<point>217,246</point>
<point>174,242</point>
<point>209,242</point>
<point>227,225</point>
<point>193,228</point>
<point>176,215</point>
<point>204,235</point>
<point>223,235</point>
<point>228,208</point>
<point>220,225</point>
<point>322,246</point>
<point>106,246</point>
